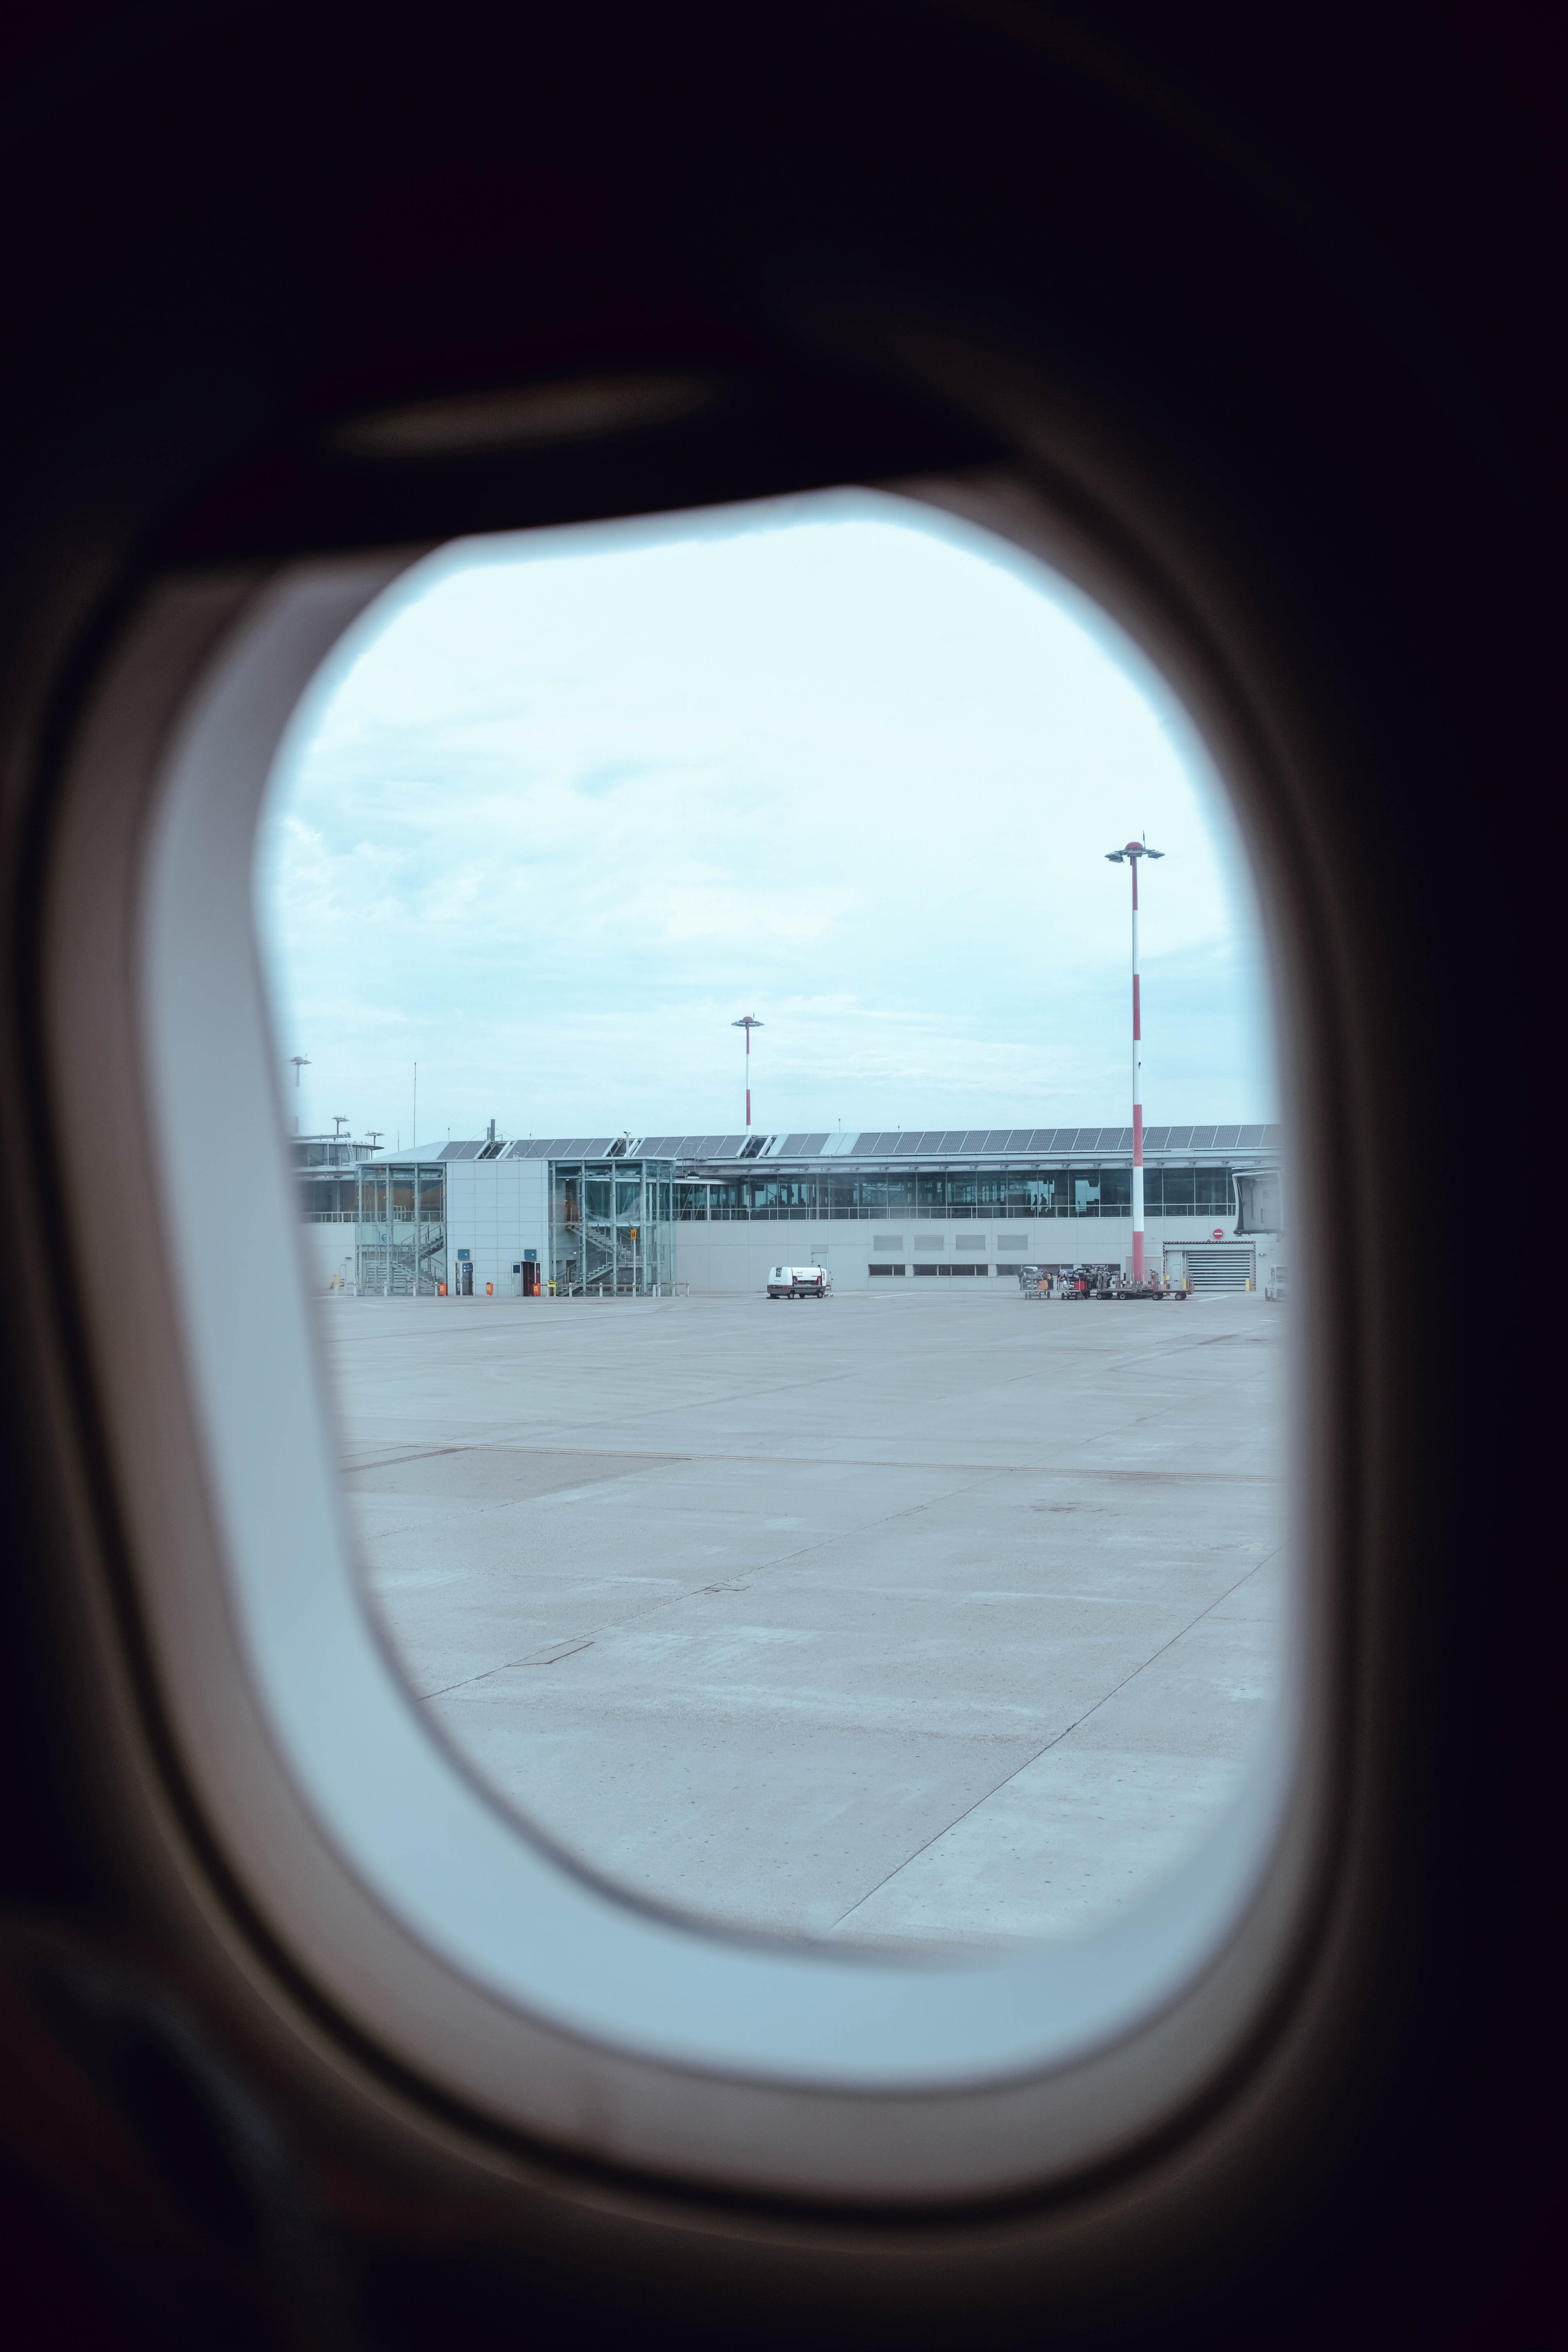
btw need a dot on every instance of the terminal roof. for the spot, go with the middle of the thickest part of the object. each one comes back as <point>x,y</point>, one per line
<point>929,1145</point>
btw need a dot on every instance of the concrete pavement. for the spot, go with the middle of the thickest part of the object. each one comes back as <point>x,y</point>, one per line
<point>912,1617</point>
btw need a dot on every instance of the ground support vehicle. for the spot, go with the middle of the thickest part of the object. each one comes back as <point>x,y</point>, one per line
<point>1119,1290</point>
<point>797,1282</point>
<point>1090,1282</point>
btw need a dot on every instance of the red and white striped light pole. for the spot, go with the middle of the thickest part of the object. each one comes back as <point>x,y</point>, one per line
<point>1131,853</point>
<point>748,1022</point>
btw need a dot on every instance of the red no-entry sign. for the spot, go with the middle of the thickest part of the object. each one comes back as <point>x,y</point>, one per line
<point>1219,1233</point>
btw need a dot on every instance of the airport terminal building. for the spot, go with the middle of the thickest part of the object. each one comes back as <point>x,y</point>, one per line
<point>636,1214</point>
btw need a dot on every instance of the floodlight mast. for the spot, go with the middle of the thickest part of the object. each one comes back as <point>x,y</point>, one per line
<point>300,1062</point>
<point>1131,853</point>
<point>748,1022</point>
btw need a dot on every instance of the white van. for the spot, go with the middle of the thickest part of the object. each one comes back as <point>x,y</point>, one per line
<point>797,1282</point>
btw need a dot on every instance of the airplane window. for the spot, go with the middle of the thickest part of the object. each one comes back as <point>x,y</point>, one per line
<point>732,1455</point>
<point>673,931</point>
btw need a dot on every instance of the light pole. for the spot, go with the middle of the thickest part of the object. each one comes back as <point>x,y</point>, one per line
<point>300,1062</point>
<point>748,1022</point>
<point>1131,853</point>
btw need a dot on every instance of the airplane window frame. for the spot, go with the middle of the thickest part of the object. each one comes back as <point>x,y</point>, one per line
<point>729,2077</point>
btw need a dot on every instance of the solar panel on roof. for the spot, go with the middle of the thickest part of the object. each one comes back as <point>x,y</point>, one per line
<point>463,1151</point>
<point>951,1143</point>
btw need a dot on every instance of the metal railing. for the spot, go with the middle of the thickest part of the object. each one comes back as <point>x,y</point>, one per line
<point>932,1211</point>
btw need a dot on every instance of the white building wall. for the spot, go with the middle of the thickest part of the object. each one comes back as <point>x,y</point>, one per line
<point>734,1255</point>
<point>496,1209</point>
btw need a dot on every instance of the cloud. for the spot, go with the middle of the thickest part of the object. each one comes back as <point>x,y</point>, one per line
<point>565,803</point>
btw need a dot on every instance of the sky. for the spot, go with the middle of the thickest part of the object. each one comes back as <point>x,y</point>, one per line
<point>564,804</point>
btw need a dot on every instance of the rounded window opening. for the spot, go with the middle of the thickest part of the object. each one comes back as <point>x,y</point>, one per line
<point>803,1265</point>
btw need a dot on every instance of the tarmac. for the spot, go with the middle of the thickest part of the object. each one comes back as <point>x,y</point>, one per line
<point>922,1619</point>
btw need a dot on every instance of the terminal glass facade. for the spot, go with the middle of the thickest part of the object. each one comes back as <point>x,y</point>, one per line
<point>400,1228</point>
<point>612,1226</point>
<point>948,1193</point>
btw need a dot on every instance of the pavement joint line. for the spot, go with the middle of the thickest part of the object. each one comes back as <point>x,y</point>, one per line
<point>849,1462</point>
<point>1066,1734</point>
<point>482,1445</point>
<point>665,1600</point>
